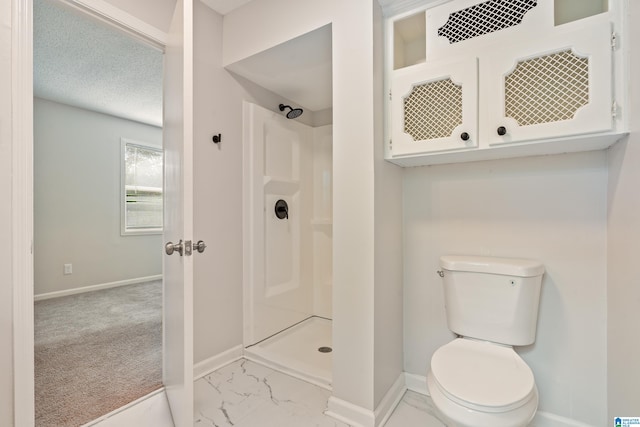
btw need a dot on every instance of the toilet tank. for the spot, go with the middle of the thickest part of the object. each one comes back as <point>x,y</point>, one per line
<point>493,299</point>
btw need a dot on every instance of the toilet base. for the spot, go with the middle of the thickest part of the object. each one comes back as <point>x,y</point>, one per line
<point>456,415</point>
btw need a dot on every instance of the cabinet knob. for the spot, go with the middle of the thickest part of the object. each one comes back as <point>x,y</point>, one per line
<point>464,136</point>
<point>502,130</point>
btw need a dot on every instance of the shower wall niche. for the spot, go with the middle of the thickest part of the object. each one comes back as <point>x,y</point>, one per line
<point>288,267</point>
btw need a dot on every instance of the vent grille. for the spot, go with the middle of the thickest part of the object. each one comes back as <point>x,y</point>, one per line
<point>433,110</point>
<point>547,89</point>
<point>484,18</point>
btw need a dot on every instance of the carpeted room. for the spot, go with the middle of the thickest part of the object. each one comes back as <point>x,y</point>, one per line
<point>96,351</point>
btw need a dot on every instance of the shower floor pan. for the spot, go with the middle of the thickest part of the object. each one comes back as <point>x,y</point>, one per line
<point>295,351</point>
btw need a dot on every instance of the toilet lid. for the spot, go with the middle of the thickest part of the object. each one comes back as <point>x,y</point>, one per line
<point>482,374</point>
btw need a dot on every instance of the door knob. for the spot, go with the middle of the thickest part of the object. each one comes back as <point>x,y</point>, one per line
<point>170,247</point>
<point>501,130</point>
<point>199,246</point>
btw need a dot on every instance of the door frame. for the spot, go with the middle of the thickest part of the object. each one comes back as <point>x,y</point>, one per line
<point>22,182</point>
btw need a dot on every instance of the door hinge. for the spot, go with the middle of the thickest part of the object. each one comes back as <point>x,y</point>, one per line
<point>390,96</point>
<point>614,110</point>
<point>614,40</point>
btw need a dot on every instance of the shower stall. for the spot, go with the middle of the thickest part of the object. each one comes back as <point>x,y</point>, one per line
<point>287,243</point>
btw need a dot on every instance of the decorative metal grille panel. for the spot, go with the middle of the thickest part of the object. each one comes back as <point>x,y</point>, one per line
<point>484,18</point>
<point>433,110</point>
<point>547,89</point>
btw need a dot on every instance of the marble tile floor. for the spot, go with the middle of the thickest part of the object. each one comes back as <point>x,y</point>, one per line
<point>247,394</point>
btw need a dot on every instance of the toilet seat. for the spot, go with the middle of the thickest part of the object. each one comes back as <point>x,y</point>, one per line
<point>482,376</point>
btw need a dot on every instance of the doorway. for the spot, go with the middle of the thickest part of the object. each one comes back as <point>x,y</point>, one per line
<point>97,276</point>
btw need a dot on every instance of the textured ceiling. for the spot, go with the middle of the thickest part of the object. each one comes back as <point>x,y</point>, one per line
<point>86,63</point>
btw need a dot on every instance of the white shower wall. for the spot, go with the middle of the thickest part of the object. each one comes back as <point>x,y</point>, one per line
<point>288,270</point>
<point>322,220</point>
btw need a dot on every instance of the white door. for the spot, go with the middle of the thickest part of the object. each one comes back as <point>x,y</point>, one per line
<point>277,159</point>
<point>178,215</point>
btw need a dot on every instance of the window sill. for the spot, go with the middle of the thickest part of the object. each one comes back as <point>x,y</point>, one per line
<point>145,232</point>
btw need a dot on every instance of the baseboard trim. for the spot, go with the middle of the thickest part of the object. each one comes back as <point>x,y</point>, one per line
<point>354,415</point>
<point>91,288</point>
<point>547,419</point>
<point>390,400</point>
<point>211,364</point>
<point>253,354</point>
<point>149,410</point>
<point>358,416</point>
<point>417,383</point>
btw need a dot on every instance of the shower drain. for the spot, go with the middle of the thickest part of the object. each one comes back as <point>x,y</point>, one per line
<point>325,349</point>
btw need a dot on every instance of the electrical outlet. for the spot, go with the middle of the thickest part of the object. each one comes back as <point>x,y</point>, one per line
<point>68,268</point>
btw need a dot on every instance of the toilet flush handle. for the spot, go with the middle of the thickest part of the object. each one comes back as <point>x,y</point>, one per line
<point>440,273</point>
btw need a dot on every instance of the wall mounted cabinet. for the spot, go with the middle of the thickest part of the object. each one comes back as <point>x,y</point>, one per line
<point>500,79</point>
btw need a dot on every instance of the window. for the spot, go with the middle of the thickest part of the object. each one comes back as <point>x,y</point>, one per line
<point>141,188</point>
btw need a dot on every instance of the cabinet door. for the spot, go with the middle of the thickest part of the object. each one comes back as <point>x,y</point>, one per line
<point>556,87</point>
<point>434,107</point>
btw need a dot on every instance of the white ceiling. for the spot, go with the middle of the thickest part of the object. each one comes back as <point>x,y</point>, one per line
<point>224,6</point>
<point>85,63</point>
<point>389,7</point>
<point>298,70</point>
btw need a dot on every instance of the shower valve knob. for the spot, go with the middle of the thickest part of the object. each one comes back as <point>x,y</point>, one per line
<point>282,209</point>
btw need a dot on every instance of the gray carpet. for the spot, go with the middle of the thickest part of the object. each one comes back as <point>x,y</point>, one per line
<point>95,352</point>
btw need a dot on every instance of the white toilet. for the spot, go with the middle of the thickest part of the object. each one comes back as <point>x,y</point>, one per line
<point>478,380</point>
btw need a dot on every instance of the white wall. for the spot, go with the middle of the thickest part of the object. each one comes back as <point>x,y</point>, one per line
<point>623,293</point>
<point>6,259</point>
<point>623,296</point>
<point>388,312</point>
<point>217,193</point>
<point>157,13</point>
<point>77,200</point>
<point>550,208</point>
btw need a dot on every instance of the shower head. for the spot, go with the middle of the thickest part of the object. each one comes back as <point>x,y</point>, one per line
<point>293,113</point>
